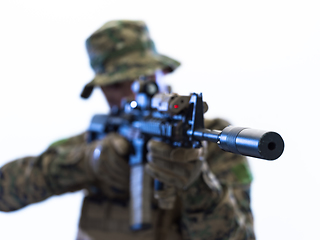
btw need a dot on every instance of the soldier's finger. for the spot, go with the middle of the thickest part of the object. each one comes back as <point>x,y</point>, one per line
<point>165,176</point>
<point>119,143</point>
<point>172,153</point>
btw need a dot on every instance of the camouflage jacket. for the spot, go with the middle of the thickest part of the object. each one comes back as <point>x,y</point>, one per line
<point>199,213</point>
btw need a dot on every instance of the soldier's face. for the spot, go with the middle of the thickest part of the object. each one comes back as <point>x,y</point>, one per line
<point>114,93</point>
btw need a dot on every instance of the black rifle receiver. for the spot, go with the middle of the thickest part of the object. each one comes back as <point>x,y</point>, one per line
<point>177,120</point>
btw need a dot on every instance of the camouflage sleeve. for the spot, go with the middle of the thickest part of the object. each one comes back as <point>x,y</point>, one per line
<point>58,170</point>
<point>209,214</point>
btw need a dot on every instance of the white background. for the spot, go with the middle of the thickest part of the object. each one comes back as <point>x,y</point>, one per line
<point>256,62</point>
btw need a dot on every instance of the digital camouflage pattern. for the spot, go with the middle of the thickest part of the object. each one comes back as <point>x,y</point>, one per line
<point>200,213</point>
<point>212,215</point>
<point>122,50</point>
<point>58,170</point>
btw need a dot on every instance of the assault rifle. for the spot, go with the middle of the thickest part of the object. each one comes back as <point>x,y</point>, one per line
<point>177,120</point>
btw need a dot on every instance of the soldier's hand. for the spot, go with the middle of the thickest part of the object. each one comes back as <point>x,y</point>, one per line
<point>109,161</point>
<point>178,167</point>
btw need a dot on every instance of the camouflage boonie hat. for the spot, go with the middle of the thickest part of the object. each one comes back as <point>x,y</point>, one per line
<point>122,50</point>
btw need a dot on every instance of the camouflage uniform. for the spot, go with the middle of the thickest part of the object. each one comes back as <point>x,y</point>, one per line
<point>199,212</point>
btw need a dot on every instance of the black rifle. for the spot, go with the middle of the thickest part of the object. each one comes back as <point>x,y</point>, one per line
<point>177,120</point>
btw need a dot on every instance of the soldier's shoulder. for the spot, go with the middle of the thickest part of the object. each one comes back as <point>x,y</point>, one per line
<point>216,123</point>
<point>73,140</point>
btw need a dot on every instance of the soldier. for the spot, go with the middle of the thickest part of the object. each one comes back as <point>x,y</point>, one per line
<point>212,187</point>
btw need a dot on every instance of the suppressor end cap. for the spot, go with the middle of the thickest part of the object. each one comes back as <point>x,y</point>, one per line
<point>271,146</point>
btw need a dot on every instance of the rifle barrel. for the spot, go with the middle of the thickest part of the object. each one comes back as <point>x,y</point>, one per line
<point>245,141</point>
